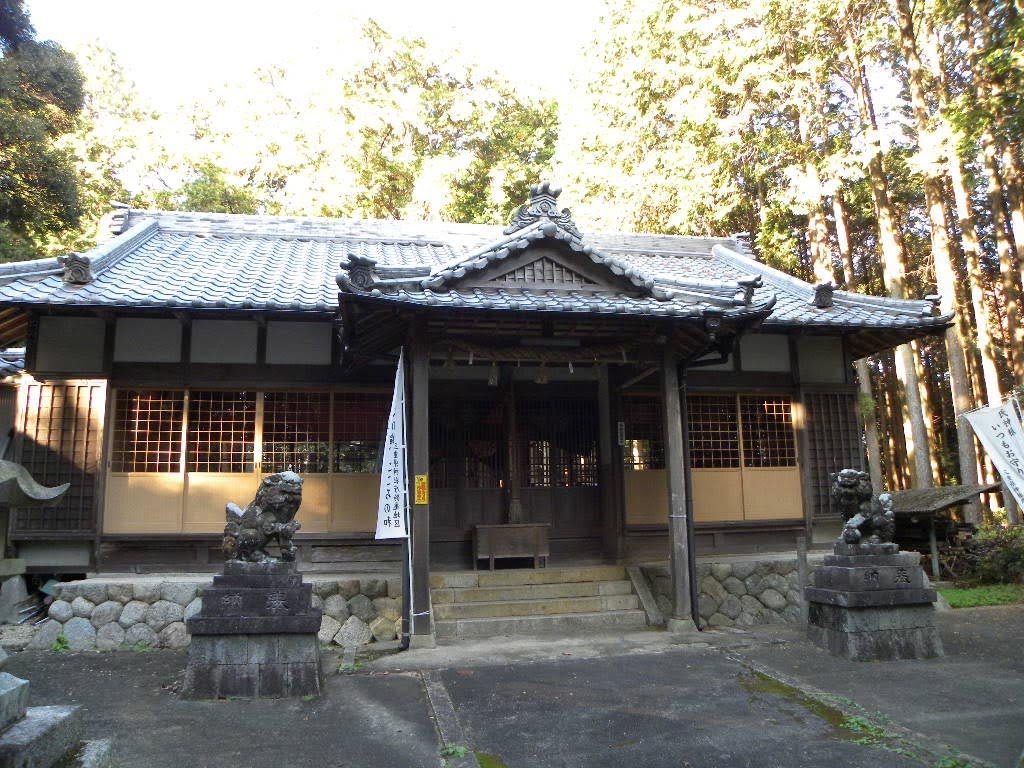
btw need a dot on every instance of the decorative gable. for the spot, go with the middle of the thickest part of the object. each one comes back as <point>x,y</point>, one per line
<point>546,271</point>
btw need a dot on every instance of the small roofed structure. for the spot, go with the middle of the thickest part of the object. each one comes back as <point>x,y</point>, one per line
<point>638,395</point>
<point>931,502</point>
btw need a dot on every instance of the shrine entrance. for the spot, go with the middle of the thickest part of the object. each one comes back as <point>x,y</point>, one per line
<point>521,453</point>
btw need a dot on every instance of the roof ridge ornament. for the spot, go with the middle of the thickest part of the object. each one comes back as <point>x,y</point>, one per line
<point>359,275</point>
<point>543,205</point>
<point>117,219</point>
<point>77,268</point>
<point>822,298</point>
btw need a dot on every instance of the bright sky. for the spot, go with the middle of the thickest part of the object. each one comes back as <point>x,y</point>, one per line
<point>175,51</point>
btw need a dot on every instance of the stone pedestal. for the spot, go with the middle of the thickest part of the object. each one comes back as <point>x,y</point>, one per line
<point>255,636</point>
<point>872,603</point>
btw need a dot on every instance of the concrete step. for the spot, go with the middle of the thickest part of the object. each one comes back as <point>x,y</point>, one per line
<point>531,591</point>
<point>541,607</point>
<point>523,576</point>
<point>534,625</point>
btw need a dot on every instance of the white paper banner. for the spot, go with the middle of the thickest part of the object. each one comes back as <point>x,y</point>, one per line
<point>1000,432</point>
<point>392,518</point>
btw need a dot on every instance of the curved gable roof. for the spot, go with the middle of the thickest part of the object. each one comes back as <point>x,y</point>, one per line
<point>199,261</point>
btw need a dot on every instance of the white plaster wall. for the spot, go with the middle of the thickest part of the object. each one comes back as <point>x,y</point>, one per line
<point>821,360</point>
<point>147,340</point>
<point>70,344</point>
<point>765,352</point>
<point>299,343</point>
<point>224,341</point>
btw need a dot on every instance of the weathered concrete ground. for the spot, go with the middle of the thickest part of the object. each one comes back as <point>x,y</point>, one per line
<point>973,698</point>
<point>362,721</point>
<point>638,699</point>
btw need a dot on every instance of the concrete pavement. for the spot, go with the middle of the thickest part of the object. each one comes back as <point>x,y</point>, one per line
<point>643,699</point>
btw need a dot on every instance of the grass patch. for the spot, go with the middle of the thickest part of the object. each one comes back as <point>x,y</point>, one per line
<point>990,594</point>
<point>489,761</point>
<point>351,669</point>
<point>60,643</point>
<point>454,750</point>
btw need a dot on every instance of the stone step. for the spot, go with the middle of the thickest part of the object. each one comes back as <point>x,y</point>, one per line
<point>542,607</point>
<point>533,625</point>
<point>530,591</point>
<point>43,736</point>
<point>523,576</point>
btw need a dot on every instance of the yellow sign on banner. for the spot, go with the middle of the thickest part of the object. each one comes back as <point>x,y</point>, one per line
<point>422,493</point>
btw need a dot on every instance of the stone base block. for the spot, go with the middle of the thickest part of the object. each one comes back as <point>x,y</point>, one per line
<point>44,736</point>
<point>13,698</point>
<point>253,666</point>
<point>94,754</point>
<point>875,634</point>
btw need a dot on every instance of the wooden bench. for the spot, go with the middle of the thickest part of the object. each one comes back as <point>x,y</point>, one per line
<point>511,540</point>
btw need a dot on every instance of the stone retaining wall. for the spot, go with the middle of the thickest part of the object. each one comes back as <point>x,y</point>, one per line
<point>738,592</point>
<point>105,614</point>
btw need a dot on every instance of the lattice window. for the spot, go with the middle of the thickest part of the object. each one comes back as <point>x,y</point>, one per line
<point>296,432</point>
<point>714,431</point>
<point>59,434</point>
<point>360,419</point>
<point>545,270</point>
<point>559,438</point>
<point>147,431</point>
<point>222,431</point>
<point>467,443</point>
<point>768,439</point>
<point>833,443</point>
<point>645,443</point>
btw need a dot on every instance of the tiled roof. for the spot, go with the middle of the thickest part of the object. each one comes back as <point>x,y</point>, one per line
<point>12,361</point>
<point>234,262</point>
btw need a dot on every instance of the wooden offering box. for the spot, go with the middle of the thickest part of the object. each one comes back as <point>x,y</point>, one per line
<point>511,540</point>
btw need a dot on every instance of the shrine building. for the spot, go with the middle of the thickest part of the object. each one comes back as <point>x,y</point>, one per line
<point>636,396</point>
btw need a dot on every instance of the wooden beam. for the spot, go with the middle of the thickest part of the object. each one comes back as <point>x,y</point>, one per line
<point>679,544</point>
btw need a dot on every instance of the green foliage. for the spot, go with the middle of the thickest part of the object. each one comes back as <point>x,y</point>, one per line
<point>394,131</point>
<point>40,98</point>
<point>953,762</point>
<point>867,732</point>
<point>454,750</point>
<point>350,669</point>
<point>208,190</point>
<point>60,643</point>
<point>992,594</point>
<point>996,555</point>
<point>866,405</point>
<point>142,647</point>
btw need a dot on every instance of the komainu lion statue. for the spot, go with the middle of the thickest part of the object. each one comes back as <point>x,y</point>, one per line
<point>863,513</point>
<point>268,519</point>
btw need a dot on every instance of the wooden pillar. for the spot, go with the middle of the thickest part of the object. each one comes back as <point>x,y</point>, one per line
<point>679,545</point>
<point>513,471</point>
<point>418,421</point>
<point>610,501</point>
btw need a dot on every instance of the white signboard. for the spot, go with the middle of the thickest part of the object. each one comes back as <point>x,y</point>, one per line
<point>392,508</point>
<point>1000,432</point>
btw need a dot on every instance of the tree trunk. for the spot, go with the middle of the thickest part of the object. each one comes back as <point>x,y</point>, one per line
<point>945,272</point>
<point>1005,245</point>
<point>867,405</point>
<point>894,271</point>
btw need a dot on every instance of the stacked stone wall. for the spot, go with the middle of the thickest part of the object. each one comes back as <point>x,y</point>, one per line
<point>111,614</point>
<point>738,593</point>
